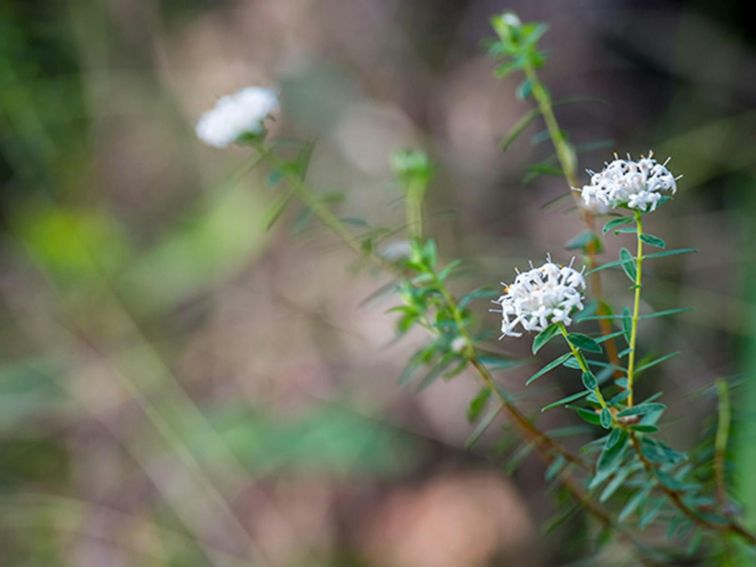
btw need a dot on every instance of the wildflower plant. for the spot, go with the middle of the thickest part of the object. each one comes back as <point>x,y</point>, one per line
<point>626,477</point>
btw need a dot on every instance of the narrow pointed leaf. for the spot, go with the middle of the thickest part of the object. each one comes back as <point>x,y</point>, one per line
<point>653,240</point>
<point>549,367</point>
<point>544,337</point>
<point>566,400</point>
<point>584,342</point>
<point>666,313</point>
<point>617,222</point>
<point>589,380</point>
<point>656,361</point>
<point>482,426</point>
<point>628,264</point>
<point>642,409</point>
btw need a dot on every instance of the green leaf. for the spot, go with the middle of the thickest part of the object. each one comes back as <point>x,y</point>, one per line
<point>541,169</point>
<point>634,502</point>
<point>479,293</point>
<point>673,252</point>
<point>665,253</point>
<point>448,269</point>
<point>650,515</point>
<point>656,361</point>
<point>605,418</point>
<point>354,221</point>
<point>566,400</point>
<point>549,367</point>
<point>556,467</point>
<point>666,313</point>
<point>544,337</point>
<point>524,89</point>
<point>483,424</point>
<point>611,454</point>
<point>653,240</point>
<point>478,404</point>
<point>499,362</point>
<point>619,398</point>
<point>643,428</point>
<point>627,324</point>
<point>588,415</point>
<point>628,264</point>
<point>617,222</point>
<point>518,129</point>
<point>583,241</point>
<point>657,452</point>
<point>589,380</point>
<point>379,293</point>
<point>429,252</point>
<point>414,363</point>
<point>584,342</point>
<point>642,409</point>
<point>506,68</point>
<point>277,208</point>
<point>626,230</point>
<point>559,519</point>
<point>406,322</point>
<point>518,457</point>
<point>575,365</point>
<point>617,482</point>
<point>435,372</point>
<point>609,337</point>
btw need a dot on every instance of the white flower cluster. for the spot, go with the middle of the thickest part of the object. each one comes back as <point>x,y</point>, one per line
<point>541,296</point>
<point>627,183</point>
<point>235,115</point>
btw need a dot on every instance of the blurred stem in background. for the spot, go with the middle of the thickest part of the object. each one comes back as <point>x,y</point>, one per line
<point>745,453</point>
<point>568,164</point>
<point>414,171</point>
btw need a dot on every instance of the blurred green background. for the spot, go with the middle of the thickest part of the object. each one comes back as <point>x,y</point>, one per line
<point>181,386</point>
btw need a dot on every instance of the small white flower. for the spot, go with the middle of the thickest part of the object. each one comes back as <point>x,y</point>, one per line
<point>626,183</point>
<point>235,115</point>
<point>458,344</point>
<point>541,296</point>
<point>512,20</point>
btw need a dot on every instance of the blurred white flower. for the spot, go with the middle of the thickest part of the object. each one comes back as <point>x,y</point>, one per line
<point>627,183</point>
<point>396,250</point>
<point>235,115</point>
<point>458,344</point>
<point>541,296</point>
<point>511,19</point>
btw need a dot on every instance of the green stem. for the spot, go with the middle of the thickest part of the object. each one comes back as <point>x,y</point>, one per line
<point>636,308</point>
<point>414,206</point>
<point>564,152</point>
<point>582,363</point>
<point>720,441</point>
<point>311,200</point>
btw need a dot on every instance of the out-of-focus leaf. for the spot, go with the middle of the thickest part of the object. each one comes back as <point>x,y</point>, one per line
<point>221,237</point>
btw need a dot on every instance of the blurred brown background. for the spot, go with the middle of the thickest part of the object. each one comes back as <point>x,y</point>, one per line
<point>180,386</point>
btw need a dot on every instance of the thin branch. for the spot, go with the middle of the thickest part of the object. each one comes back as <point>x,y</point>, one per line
<point>568,164</point>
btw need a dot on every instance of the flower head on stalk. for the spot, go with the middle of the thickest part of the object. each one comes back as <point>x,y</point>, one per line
<point>540,297</point>
<point>639,185</point>
<point>237,116</point>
